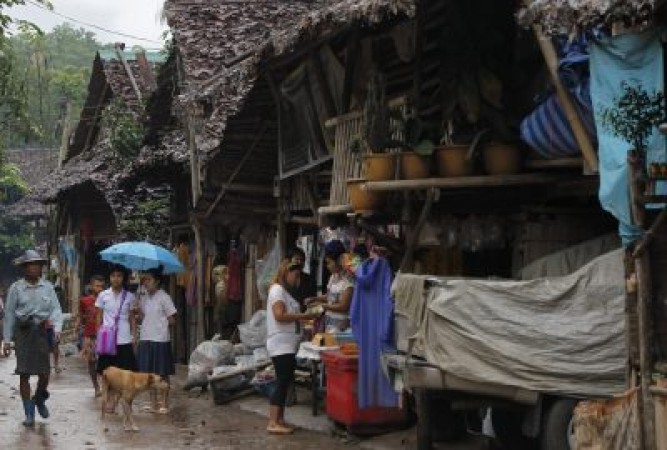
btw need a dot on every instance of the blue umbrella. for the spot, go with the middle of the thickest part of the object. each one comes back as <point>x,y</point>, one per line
<point>142,256</point>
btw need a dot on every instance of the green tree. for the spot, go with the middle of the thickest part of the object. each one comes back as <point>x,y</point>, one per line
<point>54,68</point>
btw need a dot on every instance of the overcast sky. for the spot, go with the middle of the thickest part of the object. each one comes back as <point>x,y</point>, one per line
<point>139,18</point>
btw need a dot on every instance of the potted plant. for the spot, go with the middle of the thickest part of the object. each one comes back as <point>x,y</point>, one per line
<point>417,149</point>
<point>373,146</point>
<point>456,160</point>
<point>634,115</point>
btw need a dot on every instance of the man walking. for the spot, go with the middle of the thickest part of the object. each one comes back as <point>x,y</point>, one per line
<point>31,308</point>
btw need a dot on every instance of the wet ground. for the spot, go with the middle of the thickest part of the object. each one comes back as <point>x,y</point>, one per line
<point>192,423</point>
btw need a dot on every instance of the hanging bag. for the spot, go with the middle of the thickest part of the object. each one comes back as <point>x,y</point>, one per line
<point>107,335</point>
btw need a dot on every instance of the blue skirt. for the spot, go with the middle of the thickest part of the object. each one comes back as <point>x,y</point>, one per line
<point>156,357</point>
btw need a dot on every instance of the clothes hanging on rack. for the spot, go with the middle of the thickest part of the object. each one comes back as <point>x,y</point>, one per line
<point>371,317</point>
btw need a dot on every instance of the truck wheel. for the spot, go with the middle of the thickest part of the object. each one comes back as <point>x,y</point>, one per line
<point>507,428</point>
<point>557,431</point>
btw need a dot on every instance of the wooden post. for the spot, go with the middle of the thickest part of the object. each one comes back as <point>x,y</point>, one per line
<point>199,277</point>
<point>194,158</point>
<point>64,138</point>
<point>413,236</point>
<point>644,308</point>
<point>580,135</point>
<point>353,47</point>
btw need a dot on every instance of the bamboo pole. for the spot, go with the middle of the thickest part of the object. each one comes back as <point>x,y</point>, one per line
<point>580,135</point>
<point>644,308</point>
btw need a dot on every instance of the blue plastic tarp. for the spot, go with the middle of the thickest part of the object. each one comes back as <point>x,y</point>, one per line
<point>635,58</point>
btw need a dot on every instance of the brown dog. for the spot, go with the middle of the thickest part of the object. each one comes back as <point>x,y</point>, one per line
<point>126,385</point>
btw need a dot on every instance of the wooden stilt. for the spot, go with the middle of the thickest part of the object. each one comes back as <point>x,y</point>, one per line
<point>644,308</point>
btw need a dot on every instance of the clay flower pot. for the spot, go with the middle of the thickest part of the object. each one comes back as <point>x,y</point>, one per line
<point>501,159</point>
<point>415,166</point>
<point>453,161</point>
<point>362,200</point>
<point>379,166</point>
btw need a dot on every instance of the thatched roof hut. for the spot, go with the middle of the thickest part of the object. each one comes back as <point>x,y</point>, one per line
<point>568,16</point>
<point>223,45</point>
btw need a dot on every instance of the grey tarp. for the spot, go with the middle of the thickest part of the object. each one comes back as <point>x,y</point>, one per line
<point>562,335</point>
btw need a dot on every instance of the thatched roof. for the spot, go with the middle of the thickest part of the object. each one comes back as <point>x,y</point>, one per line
<point>90,150</point>
<point>222,46</point>
<point>35,165</point>
<point>568,16</point>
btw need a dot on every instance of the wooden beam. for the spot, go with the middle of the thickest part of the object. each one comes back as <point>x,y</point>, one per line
<point>128,71</point>
<point>250,188</point>
<point>650,234</point>
<point>238,168</point>
<point>329,103</point>
<point>413,237</point>
<point>353,46</point>
<point>333,210</point>
<point>393,244</point>
<point>580,135</point>
<point>98,106</point>
<point>644,308</point>
<point>462,182</point>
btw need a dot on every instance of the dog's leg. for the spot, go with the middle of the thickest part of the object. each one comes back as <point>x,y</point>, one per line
<point>105,396</point>
<point>128,419</point>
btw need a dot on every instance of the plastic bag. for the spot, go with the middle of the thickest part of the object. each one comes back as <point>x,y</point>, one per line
<point>207,356</point>
<point>253,332</point>
<point>266,270</point>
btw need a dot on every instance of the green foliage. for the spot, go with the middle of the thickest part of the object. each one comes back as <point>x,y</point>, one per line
<point>12,184</point>
<point>147,220</point>
<point>47,71</point>
<point>634,115</point>
<point>126,132</point>
<point>15,236</point>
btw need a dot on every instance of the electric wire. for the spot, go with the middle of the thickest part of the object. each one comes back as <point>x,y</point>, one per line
<point>97,27</point>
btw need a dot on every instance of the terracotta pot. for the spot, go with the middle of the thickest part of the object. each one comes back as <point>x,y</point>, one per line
<point>379,166</point>
<point>361,199</point>
<point>414,166</point>
<point>501,159</point>
<point>453,162</point>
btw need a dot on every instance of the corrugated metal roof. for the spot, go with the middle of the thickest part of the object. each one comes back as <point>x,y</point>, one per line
<point>129,55</point>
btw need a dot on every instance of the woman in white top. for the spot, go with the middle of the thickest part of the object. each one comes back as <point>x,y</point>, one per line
<point>156,313</point>
<point>113,307</point>
<point>336,302</point>
<point>283,336</point>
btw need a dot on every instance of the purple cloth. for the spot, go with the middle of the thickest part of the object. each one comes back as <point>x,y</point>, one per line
<point>371,317</point>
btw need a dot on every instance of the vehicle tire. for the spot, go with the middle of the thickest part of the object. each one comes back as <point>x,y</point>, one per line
<point>436,420</point>
<point>556,433</point>
<point>507,428</point>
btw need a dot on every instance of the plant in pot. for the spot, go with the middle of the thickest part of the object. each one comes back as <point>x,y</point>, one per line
<point>455,159</point>
<point>375,141</point>
<point>417,149</point>
<point>633,118</point>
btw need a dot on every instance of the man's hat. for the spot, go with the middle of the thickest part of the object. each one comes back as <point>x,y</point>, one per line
<point>29,256</point>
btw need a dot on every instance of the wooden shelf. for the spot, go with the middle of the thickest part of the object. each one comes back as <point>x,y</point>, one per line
<point>562,163</point>
<point>650,199</point>
<point>463,182</point>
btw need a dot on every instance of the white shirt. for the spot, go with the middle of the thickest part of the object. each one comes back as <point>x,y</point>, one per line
<point>281,337</point>
<point>156,309</point>
<point>110,302</point>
